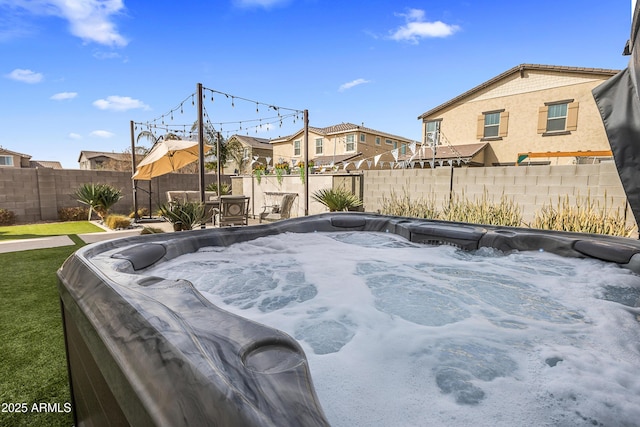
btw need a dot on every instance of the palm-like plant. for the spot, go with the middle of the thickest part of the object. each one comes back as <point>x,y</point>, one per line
<point>337,199</point>
<point>99,197</point>
<point>227,149</point>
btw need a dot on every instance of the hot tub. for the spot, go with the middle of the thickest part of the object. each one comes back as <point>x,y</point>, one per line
<point>146,347</point>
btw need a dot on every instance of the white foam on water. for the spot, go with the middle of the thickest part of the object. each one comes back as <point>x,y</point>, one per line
<point>403,334</point>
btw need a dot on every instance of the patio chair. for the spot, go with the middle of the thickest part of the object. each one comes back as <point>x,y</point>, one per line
<point>278,211</point>
<point>234,210</point>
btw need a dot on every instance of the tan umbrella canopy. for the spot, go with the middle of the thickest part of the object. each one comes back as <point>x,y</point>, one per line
<point>167,156</point>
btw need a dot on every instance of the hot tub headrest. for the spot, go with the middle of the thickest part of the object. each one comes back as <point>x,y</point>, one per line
<point>142,256</point>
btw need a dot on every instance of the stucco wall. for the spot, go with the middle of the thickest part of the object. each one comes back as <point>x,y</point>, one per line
<point>249,186</point>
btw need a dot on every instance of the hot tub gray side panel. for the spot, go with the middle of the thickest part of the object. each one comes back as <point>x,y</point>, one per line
<point>169,358</point>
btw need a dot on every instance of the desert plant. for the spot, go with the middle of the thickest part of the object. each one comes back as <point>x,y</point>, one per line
<point>483,211</point>
<point>151,230</point>
<point>141,212</point>
<point>337,199</point>
<point>224,188</point>
<point>116,222</point>
<point>75,213</point>
<point>585,216</point>
<point>183,215</point>
<point>99,197</point>
<point>405,206</point>
<point>7,217</point>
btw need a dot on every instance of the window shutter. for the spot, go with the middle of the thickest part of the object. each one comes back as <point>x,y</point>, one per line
<point>480,129</point>
<point>542,119</point>
<point>572,116</point>
<point>504,124</point>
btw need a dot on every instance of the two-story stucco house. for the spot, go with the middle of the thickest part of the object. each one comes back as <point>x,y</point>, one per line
<point>334,145</point>
<point>543,110</point>
<point>92,160</point>
<point>13,159</point>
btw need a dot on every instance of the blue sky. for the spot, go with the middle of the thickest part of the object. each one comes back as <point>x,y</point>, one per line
<point>74,73</point>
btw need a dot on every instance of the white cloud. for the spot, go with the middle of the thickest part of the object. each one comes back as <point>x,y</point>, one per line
<point>64,95</point>
<point>102,133</point>
<point>74,135</point>
<point>352,83</point>
<point>91,20</point>
<point>267,4</point>
<point>25,76</point>
<point>417,28</point>
<point>119,103</point>
<point>106,55</point>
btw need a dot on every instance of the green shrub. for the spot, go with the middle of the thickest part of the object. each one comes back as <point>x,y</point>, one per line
<point>73,214</point>
<point>115,222</point>
<point>337,199</point>
<point>99,197</point>
<point>585,216</point>
<point>7,217</point>
<point>151,230</point>
<point>404,206</point>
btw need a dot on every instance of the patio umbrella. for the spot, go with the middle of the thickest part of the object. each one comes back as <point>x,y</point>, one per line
<point>167,156</point>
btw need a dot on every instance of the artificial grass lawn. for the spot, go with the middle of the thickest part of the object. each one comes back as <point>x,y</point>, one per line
<point>30,231</point>
<point>33,367</point>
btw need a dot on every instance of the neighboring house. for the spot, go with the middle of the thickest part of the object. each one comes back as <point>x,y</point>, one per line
<point>251,148</point>
<point>527,109</point>
<point>12,159</point>
<point>92,160</point>
<point>334,145</point>
<point>44,164</point>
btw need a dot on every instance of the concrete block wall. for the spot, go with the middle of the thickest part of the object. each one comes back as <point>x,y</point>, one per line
<point>531,187</point>
<point>38,194</point>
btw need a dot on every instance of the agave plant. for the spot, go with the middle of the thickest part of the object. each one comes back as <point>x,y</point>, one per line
<point>99,197</point>
<point>224,188</point>
<point>337,199</point>
<point>183,215</point>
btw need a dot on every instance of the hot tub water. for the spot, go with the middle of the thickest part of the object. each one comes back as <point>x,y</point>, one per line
<point>398,333</point>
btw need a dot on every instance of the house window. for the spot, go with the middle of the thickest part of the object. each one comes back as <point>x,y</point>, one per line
<point>318,145</point>
<point>351,143</point>
<point>6,160</point>
<point>403,149</point>
<point>245,153</point>
<point>378,140</point>
<point>388,141</point>
<point>433,132</point>
<point>296,147</point>
<point>556,117</point>
<point>491,125</point>
<point>363,137</point>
